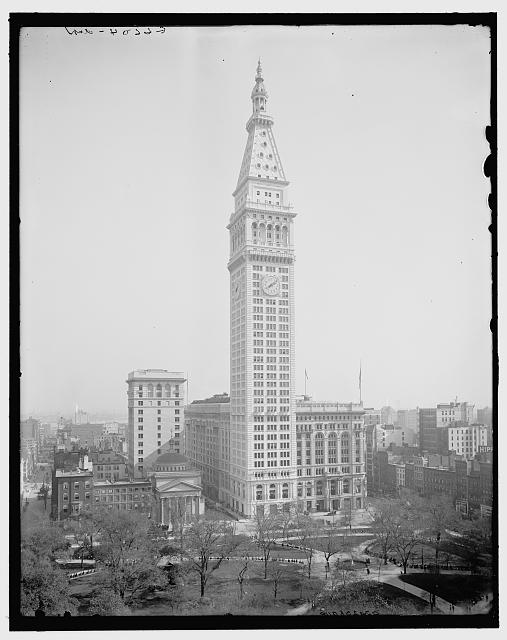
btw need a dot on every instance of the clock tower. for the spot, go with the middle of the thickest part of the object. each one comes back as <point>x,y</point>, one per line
<point>262,406</point>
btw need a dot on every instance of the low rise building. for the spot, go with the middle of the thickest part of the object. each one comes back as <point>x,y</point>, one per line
<point>331,456</point>
<point>126,495</point>
<point>109,466</point>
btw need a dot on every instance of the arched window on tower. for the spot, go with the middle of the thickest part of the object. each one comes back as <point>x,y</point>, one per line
<point>150,391</point>
<point>262,233</point>
<point>167,390</point>
<point>254,232</point>
<point>277,233</point>
<point>269,233</point>
<point>285,235</point>
<point>159,390</point>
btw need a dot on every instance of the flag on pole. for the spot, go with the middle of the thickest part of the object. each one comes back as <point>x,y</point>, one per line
<point>306,375</point>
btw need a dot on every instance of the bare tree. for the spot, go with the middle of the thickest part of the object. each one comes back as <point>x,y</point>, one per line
<point>306,533</point>
<point>242,575</point>
<point>267,531</point>
<point>207,544</point>
<point>384,517</point>
<point>277,571</point>
<point>127,555</point>
<point>439,515</point>
<point>333,544</point>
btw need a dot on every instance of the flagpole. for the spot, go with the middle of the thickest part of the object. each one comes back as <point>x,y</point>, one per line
<point>360,390</point>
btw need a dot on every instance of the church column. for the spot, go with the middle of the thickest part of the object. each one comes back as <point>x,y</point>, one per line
<point>162,500</point>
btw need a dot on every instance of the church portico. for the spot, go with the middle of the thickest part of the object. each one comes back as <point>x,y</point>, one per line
<point>177,490</point>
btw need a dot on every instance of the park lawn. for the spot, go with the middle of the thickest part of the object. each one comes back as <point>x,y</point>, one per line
<point>455,588</point>
<point>394,602</point>
<point>222,594</point>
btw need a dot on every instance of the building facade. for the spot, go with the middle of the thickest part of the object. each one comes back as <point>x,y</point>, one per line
<point>71,493</point>
<point>125,495</point>
<point>207,445</point>
<point>261,267</point>
<point>450,412</point>
<point>331,456</point>
<point>109,466</point>
<point>466,439</point>
<point>427,419</point>
<point>156,398</point>
<point>177,493</point>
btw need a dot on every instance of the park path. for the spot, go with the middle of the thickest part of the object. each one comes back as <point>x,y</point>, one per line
<point>299,611</point>
<point>440,603</point>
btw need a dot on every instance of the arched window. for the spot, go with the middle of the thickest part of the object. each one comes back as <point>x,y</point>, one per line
<point>277,233</point>
<point>345,448</point>
<point>159,390</point>
<point>285,490</point>
<point>272,492</point>
<point>346,486</point>
<point>308,489</point>
<point>262,233</point>
<point>254,231</point>
<point>258,492</point>
<point>269,233</point>
<point>150,391</point>
<point>285,235</point>
<point>300,489</point>
<point>332,487</point>
<point>167,390</point>
<point>319,448</point>
<point>319,487</point>
<point>332,448</point>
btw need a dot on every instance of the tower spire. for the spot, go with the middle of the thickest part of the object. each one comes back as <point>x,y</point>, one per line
<point>259,93</point>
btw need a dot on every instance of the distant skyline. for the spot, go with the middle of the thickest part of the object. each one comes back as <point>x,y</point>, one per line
<point>131,148</point>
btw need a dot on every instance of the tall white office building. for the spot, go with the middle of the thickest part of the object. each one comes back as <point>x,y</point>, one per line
<point>156,400</point>
<point>261,265</point>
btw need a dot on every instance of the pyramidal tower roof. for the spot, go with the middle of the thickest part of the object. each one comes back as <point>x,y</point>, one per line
<point>261,159</point>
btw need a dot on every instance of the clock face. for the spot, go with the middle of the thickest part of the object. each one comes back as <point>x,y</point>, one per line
<point>271,284</point>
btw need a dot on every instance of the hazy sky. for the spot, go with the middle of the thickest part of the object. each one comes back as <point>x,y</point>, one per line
<point>131,148</point>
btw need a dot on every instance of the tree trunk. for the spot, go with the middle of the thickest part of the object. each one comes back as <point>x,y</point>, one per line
<point>203,586</point>
<point>265,567</point>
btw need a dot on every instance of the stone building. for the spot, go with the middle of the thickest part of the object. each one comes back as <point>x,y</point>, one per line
<point>126,495</point>
<point>176,489</point>
<point>331,456</point>
<point>207,444</point>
